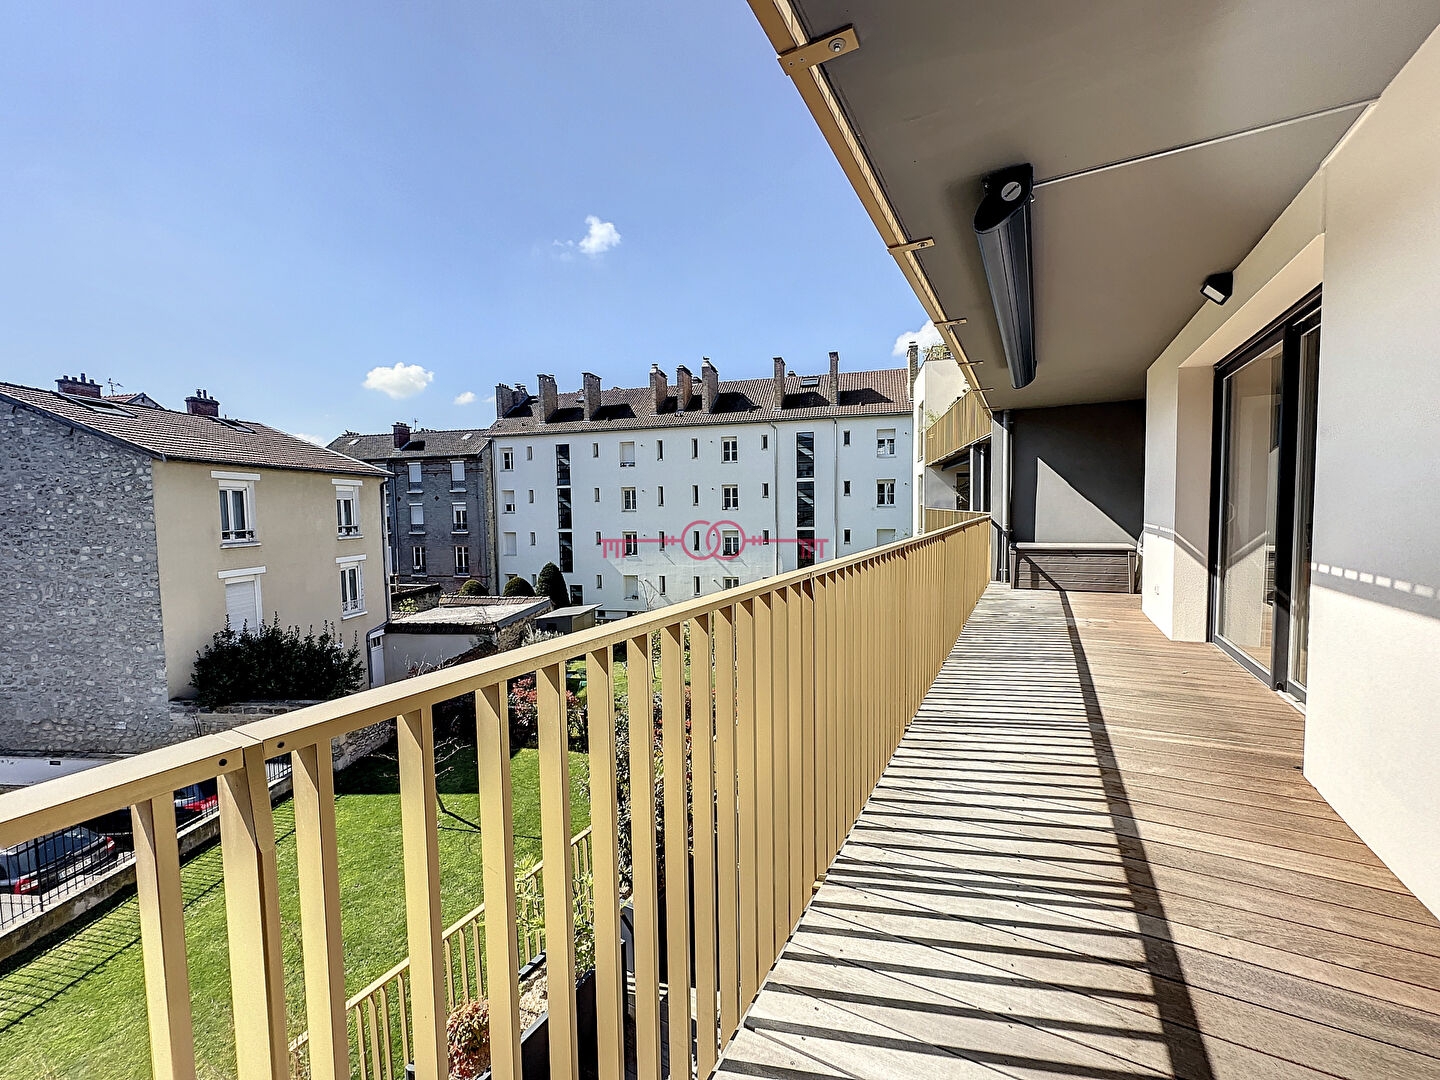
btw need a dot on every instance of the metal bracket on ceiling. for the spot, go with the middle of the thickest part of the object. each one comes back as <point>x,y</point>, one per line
<point>950,322</point>
<point>914,245</point>
<point>803,57</point>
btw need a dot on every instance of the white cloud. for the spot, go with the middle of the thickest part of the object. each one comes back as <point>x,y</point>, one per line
<point>926,336</point>
<point>467,398</point>
<point>600,237</point>
<point>311,438</point>
<point>400,381</point>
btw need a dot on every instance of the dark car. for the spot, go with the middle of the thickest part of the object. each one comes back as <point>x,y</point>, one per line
<point>197,799</point>
<point>39,865</point>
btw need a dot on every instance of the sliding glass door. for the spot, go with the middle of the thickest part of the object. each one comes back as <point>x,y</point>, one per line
<point>1265,443</point>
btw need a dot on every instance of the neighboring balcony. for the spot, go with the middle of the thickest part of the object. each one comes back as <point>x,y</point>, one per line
<point>967,421</point>
<point>932,827</point>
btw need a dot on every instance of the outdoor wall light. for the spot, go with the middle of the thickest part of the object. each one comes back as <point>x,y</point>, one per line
<point>1002,226</point>
<point>1218,287</point>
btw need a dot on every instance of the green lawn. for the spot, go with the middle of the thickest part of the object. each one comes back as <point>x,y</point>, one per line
<point>78,1010</point>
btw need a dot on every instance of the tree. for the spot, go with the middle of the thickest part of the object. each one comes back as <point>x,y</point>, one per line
<point>518,586</point>
<point>551,583</point>
<point>474,587</point>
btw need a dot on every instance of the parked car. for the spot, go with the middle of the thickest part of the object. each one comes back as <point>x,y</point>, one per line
<point>39,865</point>
<point>197,799</point>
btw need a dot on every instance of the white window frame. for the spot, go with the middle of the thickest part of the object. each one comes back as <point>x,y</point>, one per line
<point>626,589</point>
<point>631,544</point>
<point>351,604</point>
<point>729,543</point>
<point>730,497</point>
<point>729,583</point>
<point>251,574</point>
<point>459,517</point>
<point>729,449</point>
<point>885,443</point>
<point>244,483</point>
<point>509,543</point>
<point>419,567</point>
<point>417,517</point>
<point>507,459</point>
<point>462,555</point>
<point>347,491</point>
<point>629,500</point>
<point>507,502</point>
<point>627,455</point>
<point>415,475</point>
<point>885,493</point>
<point>457,475</point>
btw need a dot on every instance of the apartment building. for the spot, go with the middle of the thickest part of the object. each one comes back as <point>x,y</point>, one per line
<point>648,495</point>
<point>131,533</point>
<point>439,510</point>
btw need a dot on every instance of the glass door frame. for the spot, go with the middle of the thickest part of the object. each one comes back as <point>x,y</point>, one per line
<point>1289,329</point>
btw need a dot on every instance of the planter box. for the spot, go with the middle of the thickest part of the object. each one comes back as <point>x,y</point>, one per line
<point>535,1040</point>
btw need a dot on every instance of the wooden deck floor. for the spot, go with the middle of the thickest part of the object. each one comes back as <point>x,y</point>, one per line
<point>1094,855</point>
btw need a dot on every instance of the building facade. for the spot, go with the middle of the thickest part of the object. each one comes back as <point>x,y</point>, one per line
<point>650,495</point>
<point>130,536</point>
<point>439,509</point>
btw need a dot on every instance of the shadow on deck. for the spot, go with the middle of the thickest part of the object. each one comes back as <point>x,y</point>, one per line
<point>1094,856</point>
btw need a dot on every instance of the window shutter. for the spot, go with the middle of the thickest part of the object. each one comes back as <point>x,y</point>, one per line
<point>240,597</point>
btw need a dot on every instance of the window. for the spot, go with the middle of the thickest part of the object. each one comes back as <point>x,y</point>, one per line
<point>845,438</point>
<point>659,449</point>
<point>884,492</point>
<point>457,474</point>
<point>764,491</point>
<point>532,539</point>
<point>805,547</point>
<point>884,536</point>
<point>597,538</point>
<point>730,583</point>
<point>594,449</point>
<point>695,540</point>
<point>507,502</point>
<point>659,496</point>
<point>694,448</point>
<point>599,582</point>
<point>237,525</point>
<point>847,536</point>
<point>694,494</point>
<point>764,442</point>
<point>462,561</point>
<point>459,518</point>
<point>507,543</point>
<point>562,464</point>
<point>885,443</point>
<point>242,600</point>
<point>627,455</point>
<point>627,499</point>
<point>765,537</point>
<point>730,497</point>
<point>415,478</point>
<point>577,594</point>
<point>532,496</point>
<point>567,553</point>
<point>346,524</point>
<point>697,586</point>
<point>417,559</point>
<point>597,494</point>
<point>805,504</point>
<point>417,517</point>
<point>847,487</point>
<point>530,453</point>
<point>632,587</point>
<point>729,543</point>
<point>632,544</point>
<point>564,512</point>
<point>662,584</point>
<point>729,449</point>
<point>507,459</point>
<point>805,454</point>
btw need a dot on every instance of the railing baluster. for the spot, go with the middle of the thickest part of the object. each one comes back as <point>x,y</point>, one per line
<point>415,736</point>
<point>497,848</point>
<point>807,670</point>
<point>765,822</point>
<point>677,858</point>
<point>604,834</point>
<point>162,932</point>
<point>799,673</point>
<point>747,770</point>
<point>316,852</point>
<point>642,852</point>
<point>557,876</point>
<point>726,839</point>
<point>780,732</point>
<point>702,769</point>
<point>252,919</point>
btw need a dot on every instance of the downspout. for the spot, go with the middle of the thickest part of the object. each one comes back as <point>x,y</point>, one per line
<point>775,498</point>
<point>1006,494</point>
<point>835,487</point>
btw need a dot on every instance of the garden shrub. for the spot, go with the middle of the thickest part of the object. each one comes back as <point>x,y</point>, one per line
<point>551,583</point>
<point>467,1031</point>
<point>271,663</point>
<point>517,586</point>
<point>473,587</point>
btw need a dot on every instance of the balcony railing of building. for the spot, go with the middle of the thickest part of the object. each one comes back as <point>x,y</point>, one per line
<point>965,422</point>
<point>801,685</point>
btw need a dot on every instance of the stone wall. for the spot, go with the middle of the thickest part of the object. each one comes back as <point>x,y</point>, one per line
<point>82,667</point>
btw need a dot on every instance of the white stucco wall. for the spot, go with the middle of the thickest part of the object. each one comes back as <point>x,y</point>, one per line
<point>1368,225</point>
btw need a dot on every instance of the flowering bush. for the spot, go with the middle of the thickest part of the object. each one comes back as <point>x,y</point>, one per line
<point>467,1030</point>
<point>269,663</point>
<point>525,711</point>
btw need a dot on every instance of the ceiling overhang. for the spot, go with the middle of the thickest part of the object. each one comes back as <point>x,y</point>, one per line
<point>1165,140</point>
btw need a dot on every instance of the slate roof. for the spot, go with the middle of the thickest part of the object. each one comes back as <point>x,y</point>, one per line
<point>862,393</point>
<point>462,442</point>
<point>181,436</point>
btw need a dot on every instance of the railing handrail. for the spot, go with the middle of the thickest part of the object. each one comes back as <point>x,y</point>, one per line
<point>67,800</point>
<point>965,422</point>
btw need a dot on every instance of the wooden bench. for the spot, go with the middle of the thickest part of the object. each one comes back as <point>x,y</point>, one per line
<point>1074,567</point>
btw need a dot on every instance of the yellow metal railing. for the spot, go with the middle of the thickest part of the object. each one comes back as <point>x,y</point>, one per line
<point>380,1013</point>
<point>935,519</point>
<point>796,692</point>
<point>965,422</point>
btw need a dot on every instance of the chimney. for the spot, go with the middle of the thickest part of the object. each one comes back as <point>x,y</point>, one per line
<point>591,394</point>
<point>549,397</point>
<point>779,387</point>
<point>81,387</point>
<point>504,400</point>
<point>402,434</point>
<point>659,386</point>
<point>202,404</point>
<point>709,385</point>
<point>832,388</point>
<point>912,354</point>
<point>522,396</point>
<point>684,387</point>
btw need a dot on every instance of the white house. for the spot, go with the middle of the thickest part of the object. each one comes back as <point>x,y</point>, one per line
<point>645,496</point>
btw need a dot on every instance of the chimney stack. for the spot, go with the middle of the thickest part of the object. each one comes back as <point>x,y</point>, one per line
<point>658,386</point>
<point>832,388</point>
<point>549,397</point>
<point>202,404</point>
<point>591,394</point>
<point>684,387</point>
<point>81,387</point>
<point>401,433</point>
<point>912,354</point>
<point>709,385</point>
<point>504,400</point>
<point>779,385</point>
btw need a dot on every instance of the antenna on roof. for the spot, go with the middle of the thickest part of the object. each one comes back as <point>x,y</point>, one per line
<point>113,385</point>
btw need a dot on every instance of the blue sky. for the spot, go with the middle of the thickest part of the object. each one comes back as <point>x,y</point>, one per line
<point>271,201</point>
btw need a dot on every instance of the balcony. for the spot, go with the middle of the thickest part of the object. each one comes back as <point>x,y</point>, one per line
<point>1032,840</point>
<point>967,421</point>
